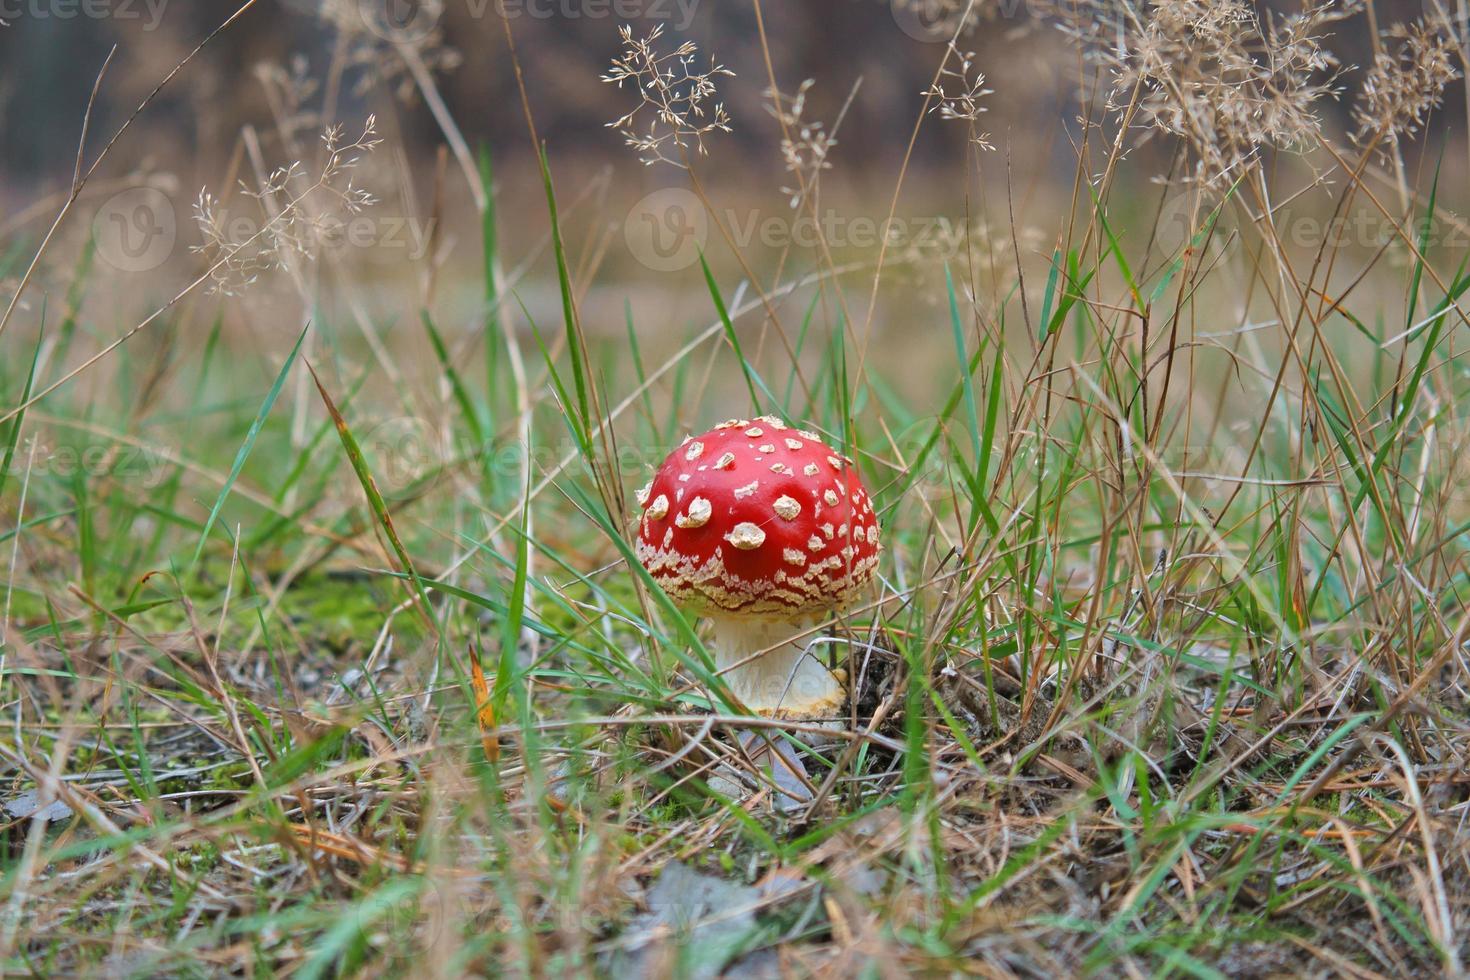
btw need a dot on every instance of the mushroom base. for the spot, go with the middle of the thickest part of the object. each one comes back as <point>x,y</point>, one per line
<point>784,681</point>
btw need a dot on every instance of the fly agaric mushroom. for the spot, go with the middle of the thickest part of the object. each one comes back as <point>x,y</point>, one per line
<point>765,530</point>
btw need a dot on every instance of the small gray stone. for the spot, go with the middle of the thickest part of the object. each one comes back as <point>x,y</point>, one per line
<point>694,920</point>
<point>28,804</point>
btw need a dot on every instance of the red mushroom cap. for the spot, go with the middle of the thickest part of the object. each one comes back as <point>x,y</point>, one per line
<point>760,519</point>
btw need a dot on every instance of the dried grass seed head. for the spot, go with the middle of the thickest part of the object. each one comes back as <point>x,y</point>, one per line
<point>678,106</point>
<point>1404,86</point>
<point>1227,80</point>
<point>805,143</point>
<point>298,215</point>
<point>383,50</point>
<point>958,94</point>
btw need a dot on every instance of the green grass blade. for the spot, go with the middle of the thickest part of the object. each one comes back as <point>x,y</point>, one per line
<point>456,383</point>
<point>733,339</point>
<point>8,459</point>
<point>375,499</point>
<point>568,304</point>
<point>250,437</point>
<point>967,380</point>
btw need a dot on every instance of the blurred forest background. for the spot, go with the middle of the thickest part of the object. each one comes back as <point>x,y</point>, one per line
<point>288,69</point>
<point>51,50</point>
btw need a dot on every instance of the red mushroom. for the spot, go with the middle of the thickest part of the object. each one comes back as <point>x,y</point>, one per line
<point>765,530</point>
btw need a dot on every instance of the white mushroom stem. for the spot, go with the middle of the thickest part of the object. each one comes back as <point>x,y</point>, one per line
<point>786,680</point>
